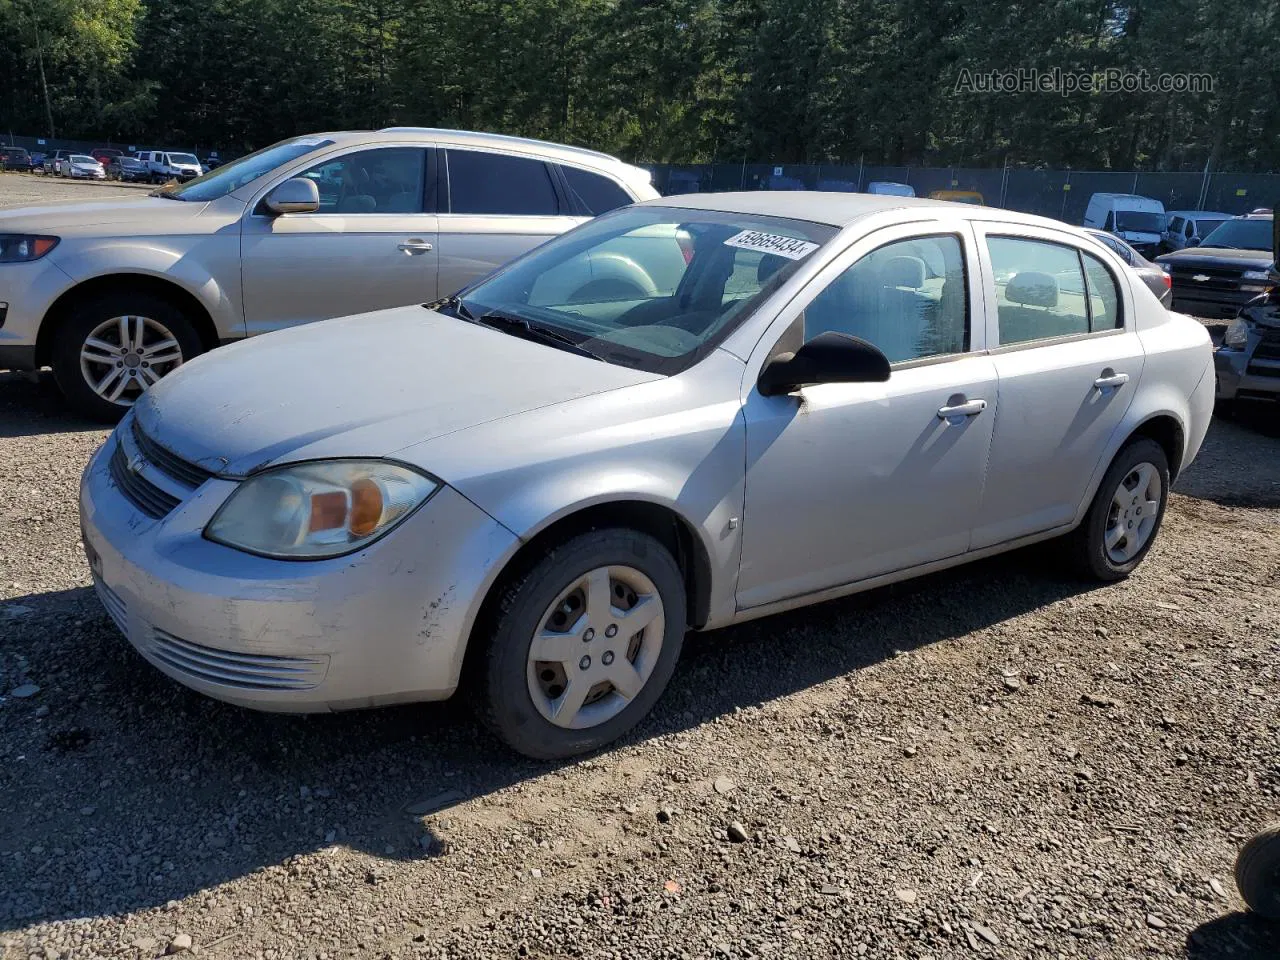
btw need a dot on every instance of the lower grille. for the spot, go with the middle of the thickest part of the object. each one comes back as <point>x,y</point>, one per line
<point>246,671</point>
<point>140,491</point>
<point>115,605</point>
<point>170,463</point>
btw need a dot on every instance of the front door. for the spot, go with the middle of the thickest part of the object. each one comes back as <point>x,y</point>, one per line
<point>845,482</point>
<point>372,244</point>
<point>1068,360</point>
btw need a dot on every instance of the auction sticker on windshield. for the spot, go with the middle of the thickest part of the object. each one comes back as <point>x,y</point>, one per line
<point>776,244</point>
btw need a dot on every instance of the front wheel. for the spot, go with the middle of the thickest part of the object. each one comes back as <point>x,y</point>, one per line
<point>1126,513</point>
<point>583,644</point>
<point>116,346</point>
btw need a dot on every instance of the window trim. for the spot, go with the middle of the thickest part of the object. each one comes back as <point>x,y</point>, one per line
<point>563,204</point>
<point>1040,235</point>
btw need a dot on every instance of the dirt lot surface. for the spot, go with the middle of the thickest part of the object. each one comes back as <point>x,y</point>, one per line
<point>993,762</point>
<point>20,189</point>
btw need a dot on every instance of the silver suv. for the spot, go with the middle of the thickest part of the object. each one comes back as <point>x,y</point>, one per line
<point>115,294</point>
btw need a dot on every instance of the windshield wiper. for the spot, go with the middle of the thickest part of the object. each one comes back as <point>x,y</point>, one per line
<point>455,303</point>
<point>520,327</point>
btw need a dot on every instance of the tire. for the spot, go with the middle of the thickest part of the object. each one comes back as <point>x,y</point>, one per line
<point>1092,556</point>
<point>1258,873</point>
<point>531,602</point>
<point>160,317</point>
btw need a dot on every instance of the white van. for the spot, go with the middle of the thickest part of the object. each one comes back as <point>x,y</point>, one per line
<point>1139,221</point>
<point>164,166</point>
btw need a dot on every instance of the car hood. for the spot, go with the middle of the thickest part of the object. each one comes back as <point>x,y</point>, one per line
<point>362,386</point>
<point>1219,256</point>
<point>51,217</point>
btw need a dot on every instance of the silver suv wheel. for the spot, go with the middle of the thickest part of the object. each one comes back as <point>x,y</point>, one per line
<point>124,355</point>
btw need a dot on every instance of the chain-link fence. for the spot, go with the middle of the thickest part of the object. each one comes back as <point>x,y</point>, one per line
<point>1062,194</point>
<point>50,144</point>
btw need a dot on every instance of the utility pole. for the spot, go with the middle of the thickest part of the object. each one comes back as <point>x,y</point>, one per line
<point>44,84</point>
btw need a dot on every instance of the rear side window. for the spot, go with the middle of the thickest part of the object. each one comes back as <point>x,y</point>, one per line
<point>1040,290</point>
<point>1104,295</point>
<point>498,184</point>
<point>595,193</point>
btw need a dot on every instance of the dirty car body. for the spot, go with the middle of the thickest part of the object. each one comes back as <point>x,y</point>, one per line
<point>805,400</point>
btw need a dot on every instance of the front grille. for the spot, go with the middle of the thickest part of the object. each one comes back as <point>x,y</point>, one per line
<point>140,491</point>
<point>114,603</point>
<point>186,473</point>
<point>246,671</point>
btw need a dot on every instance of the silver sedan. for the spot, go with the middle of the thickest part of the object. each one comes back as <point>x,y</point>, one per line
<point>536,492</point>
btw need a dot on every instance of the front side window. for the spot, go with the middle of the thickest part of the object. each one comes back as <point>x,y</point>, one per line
<point>650,287</point>
<point>908,298</point>
<point>387,180</point>
<point>500,184</point>
<point>594,192</point>
<point>1040,290</point>
<point>1175,225</point>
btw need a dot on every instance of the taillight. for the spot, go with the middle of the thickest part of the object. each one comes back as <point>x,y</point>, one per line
<point>1168,281</point>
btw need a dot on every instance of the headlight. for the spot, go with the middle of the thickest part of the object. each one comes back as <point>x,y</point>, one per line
<point>1255,275</point>
<point>1237,335</point>
<point>310,511</point>
<point>20,248</point>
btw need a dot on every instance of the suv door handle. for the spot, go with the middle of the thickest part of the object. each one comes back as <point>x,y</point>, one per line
<point>1110,380</point>
<point>970,408</point>
<point>414,246</point>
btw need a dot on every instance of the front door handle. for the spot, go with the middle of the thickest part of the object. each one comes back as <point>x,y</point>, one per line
<point>1110,380</point>
<point>414,246</point>
<point>970,408</point>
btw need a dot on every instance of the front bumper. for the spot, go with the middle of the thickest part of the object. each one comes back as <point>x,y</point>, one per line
<point>29,289</point>
<point>388,624</point>
<point>1241,376</point>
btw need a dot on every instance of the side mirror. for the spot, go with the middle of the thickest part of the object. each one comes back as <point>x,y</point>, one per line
<point>827,358</point>
<point>1193,242</point>
<point>298,195</point>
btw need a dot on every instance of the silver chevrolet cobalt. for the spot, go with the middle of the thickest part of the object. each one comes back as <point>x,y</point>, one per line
<point>681,415</point>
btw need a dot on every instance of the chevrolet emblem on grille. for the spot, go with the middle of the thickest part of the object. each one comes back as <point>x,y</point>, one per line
<point>136,463</point>
<point>1200,277</point>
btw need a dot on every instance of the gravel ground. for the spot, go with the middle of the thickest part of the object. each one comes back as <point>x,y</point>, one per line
<point>19,189</point>
<point>997,761</point>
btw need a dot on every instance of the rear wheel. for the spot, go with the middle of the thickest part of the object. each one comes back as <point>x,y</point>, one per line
<point>1258,873</point>
<point>1126,513</point>
<point>116,346</point>
<point>583,644</point>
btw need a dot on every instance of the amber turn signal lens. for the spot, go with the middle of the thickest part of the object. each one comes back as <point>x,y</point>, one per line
<point>366,507</point>
<point>328,510</point>
<point>42,245</point>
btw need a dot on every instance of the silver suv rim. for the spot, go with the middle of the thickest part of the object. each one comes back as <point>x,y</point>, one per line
<point>1134,510</point>
<point>125,355</point>
<point>595,647</point>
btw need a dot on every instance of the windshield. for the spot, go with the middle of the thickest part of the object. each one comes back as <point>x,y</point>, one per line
<point>1203,228</point>
<point>1253,234</point>
<point>650,287</point>
<point>78,158</point>
<point>234,175</point>
<point>182,158</point>
<point>1139,222</point>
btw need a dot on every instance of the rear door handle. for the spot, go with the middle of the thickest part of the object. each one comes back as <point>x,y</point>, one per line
<point>414,246</point>
<point>970,408</point>
<point>1109,381</point>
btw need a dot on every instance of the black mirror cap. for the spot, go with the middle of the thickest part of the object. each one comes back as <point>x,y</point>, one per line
<point>828,358</point>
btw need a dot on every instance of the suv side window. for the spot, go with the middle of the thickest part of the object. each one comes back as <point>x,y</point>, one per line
<point>1110,225</point>
<point>594,192</point>
<point>907,297</point>
<point>1175,225</point>
<point>1041,291</point>
<point>387,180</point>
<point>1191,229</point>
<point>498,184</point>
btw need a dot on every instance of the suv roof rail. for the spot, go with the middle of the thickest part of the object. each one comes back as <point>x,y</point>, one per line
<point>528,141</point>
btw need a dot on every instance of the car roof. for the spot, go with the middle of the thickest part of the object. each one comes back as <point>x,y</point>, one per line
<point>841,209</point>
<point>1197,214</point>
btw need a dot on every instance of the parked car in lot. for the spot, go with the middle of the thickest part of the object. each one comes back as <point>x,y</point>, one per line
<point>81,166</point>
<point>115,294</point>
<point>15,158</point>
<point>128,169</point>
<point>53,162</point>
<point>1186,228</point>
<point>104,155</point>
<point>1157,280</point>
<point>1138,221</point>
<point>553,485</point>
<point>163,166</point>
<point>1248,360</point>
<point>887,188</point>
<point>1229,269</point>
<point>958,196</point>
<point>37,162</point>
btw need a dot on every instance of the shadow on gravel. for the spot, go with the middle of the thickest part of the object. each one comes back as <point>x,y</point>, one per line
<point>1243,936</point>
<point>33,407</point>
<point>126,790</point>
<point>1237,466</point>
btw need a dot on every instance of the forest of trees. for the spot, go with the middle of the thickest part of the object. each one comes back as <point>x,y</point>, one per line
<point>657,80</point>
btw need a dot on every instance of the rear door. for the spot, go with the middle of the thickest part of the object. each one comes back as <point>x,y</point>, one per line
<point>371,245</point>
<point>496,206</point>
<point>1068,359</point>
